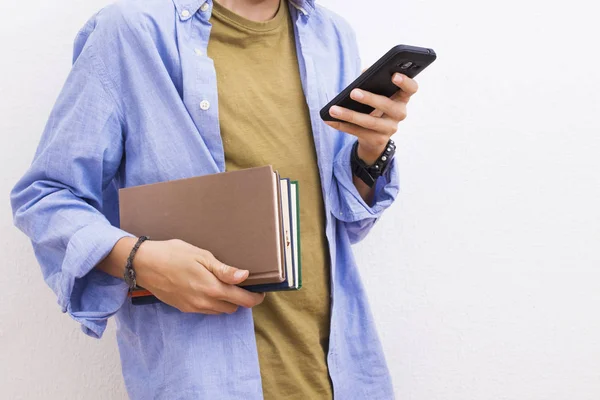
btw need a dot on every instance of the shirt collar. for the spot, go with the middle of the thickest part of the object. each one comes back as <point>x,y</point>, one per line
<point>304,6</point>
<point>187,8</point>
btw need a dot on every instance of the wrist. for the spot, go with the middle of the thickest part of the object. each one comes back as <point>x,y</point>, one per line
<point>370,153</point>
<point>114,263</point>
<point>143,263</point>
<point>133,264</point>
<point>370,170</point>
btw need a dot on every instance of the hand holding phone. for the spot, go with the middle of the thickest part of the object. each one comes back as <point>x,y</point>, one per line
<point>403,59</point>
<point>386,87</point>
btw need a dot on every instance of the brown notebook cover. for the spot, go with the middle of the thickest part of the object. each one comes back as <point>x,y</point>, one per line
<point>235,215</point>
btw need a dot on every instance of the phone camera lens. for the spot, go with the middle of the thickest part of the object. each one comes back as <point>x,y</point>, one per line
<point>405,65</point>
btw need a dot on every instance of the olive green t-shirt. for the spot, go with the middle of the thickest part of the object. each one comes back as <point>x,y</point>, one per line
<point>264,120</point>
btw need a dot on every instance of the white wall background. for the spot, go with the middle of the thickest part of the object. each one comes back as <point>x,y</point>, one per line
<point>484,277</point>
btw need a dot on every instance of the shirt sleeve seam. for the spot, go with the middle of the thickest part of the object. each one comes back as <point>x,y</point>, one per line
<point>107,85</point>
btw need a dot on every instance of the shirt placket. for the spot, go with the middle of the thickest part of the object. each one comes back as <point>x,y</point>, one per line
<point>200,79</point>
<point>325,152</point>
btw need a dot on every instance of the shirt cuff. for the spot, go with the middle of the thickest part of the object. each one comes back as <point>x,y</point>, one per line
<point>347,204</point>
<point>91,296</point>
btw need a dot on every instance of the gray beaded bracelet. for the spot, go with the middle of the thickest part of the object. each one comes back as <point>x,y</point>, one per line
<point>130,276</point>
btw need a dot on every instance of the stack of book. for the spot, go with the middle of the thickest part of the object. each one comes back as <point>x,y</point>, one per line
<point>249,219</point>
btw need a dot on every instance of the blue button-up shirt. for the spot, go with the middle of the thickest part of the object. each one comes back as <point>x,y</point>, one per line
<point>130,113</point>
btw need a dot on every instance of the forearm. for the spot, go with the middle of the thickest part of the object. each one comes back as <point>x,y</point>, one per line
<point>369,157</point>
<point>114,263</point>
<point>364,190</point>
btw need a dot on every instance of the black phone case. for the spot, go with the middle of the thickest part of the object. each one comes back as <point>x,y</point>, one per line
<point>378,78</point>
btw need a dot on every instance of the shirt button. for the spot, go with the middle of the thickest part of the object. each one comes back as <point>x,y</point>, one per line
<point>204,7</point>
<point>198,52</point>
<point>185,13</point>
<point>204,105</point>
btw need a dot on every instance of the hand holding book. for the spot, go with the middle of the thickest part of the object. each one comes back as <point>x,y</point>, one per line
<point>191,279</point>
<point>247,218</point>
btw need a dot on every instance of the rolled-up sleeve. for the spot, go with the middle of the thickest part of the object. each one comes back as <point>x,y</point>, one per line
<point>59,201</point>
<point>348,205</point>
<point>346,202</point>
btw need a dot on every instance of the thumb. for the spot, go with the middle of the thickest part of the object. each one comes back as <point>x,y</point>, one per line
<point>226,273</point>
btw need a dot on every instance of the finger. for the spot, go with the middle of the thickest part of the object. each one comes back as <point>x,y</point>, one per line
<point>394,109</point>
<point>222,271</point>
<point>352,129</point>
<point>218,306</point>
<point>381,125</point>
<point>241,296</point>
<point>358,131</point>
<point>399,96</point>
<point>191,308</point>
<point>409,86</point>
<point>209,312</point>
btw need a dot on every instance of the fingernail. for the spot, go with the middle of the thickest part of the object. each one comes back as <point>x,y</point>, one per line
<point>335,111</point>
<point>397,78</point>
<point>357,94</point>
<point>239,274</point>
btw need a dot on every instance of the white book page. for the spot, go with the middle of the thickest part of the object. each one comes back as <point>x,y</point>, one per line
<point>285,208</point>
<point>293,197</point>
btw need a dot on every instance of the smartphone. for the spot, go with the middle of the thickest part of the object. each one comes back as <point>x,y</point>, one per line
<point>408,60</point>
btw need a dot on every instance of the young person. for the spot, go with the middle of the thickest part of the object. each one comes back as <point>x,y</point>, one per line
<point>168,89</point>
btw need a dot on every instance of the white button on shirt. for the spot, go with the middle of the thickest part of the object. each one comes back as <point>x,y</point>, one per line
<point>204,7</point>
<point>204,105</point>
<point>198,52</point>
<point>185,13</point>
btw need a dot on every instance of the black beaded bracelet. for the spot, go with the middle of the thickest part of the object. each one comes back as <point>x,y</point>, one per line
<point>370,173</point>
<point>130,276</point>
